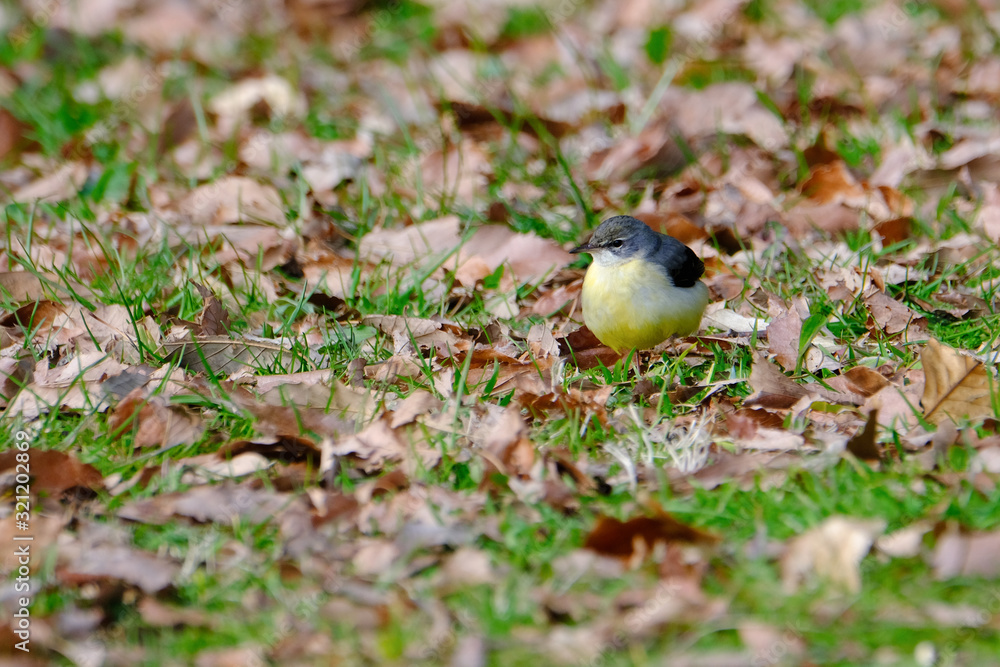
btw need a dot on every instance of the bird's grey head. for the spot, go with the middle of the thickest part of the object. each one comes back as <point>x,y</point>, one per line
<point>619,239</point>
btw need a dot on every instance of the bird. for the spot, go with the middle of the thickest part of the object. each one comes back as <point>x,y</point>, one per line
<point>642,287</point>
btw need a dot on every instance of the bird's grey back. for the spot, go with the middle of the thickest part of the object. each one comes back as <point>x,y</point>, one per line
<point>680,263</point>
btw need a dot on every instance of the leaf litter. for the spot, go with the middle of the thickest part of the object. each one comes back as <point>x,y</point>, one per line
<point>402,390</point>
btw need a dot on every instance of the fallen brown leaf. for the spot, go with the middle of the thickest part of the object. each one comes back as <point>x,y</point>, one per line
<point>21,286</point>
<point>230,657</point>
<point>52,472</point>
<point>118,563</point>
<point>835,218</point>
<point>408,245</point>
<point>590,402</point>
<point>833,183</point>
<point>519,458</point>
<point>771,387</point>
<point>331,395</point>
<point>553,301</point>
<point>771,440</point>
<point>225,355</point>
<point>276,419</point>
<point>390,483</point>
<point>233,199</point>
<point>375,445</point>
<point>220,503</point>
<point>39,315</point>
<point>416,404</point>
<point>528,256</point>
<point>783,335</point>
<point>956,385</point>
<point>61,184</point>
<point>774,390</point>
<point>207,468</point>
<point>13,134</point>
<point>247,245</point>
<point>14,374</point>
<point>894,230</point>
<point>896,406</point>
<point>179,125</point>
<point>586,350</point>
<point>893,317</point>
<point>458,172</point>
<point>283,448</point>
<point>273,92</point>
<point>409,333</point>
<point>637,538</point>
<point>865,381</point>
<point>155,422</point>
<point>213,319</point>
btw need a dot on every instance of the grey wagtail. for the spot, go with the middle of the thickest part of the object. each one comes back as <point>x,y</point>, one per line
<point>642,286</point>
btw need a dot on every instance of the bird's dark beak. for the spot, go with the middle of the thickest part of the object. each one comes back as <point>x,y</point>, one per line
<point>585,247</point>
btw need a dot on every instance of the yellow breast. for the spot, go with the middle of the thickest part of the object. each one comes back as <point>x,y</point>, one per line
<point>634,305</point>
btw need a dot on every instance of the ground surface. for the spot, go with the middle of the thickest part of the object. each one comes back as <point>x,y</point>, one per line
<point>290,345</point>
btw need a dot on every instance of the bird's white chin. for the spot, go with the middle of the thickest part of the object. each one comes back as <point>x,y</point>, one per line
<point>606,259</point>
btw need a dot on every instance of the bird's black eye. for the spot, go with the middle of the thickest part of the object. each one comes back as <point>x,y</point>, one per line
<point>617,243</point>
